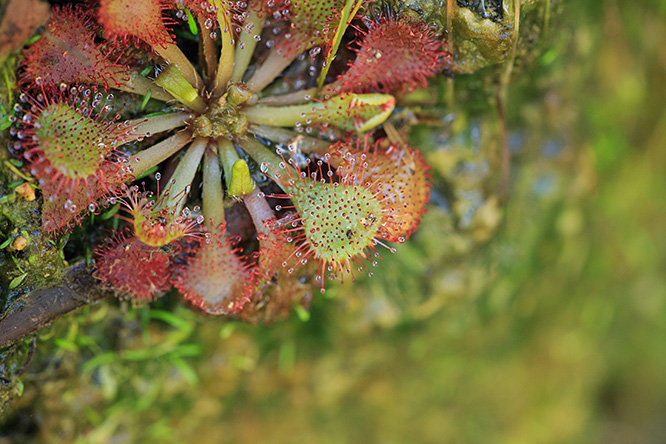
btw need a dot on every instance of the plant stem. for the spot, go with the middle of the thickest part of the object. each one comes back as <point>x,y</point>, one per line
<point>225,65</point>
<point>263,156</point>
<point>260,212</point>
<point>135,83</point>
<point>172,54</point>
<point>290,98</point>
<point>146,126</point>
<point>207,49</point>
<point>158,153</point>
<point>182,177</point>
<point>274,64</point>
<point>228,156</point>
<point>172,80</point>
<point>281,115</point>
<point>213,195</point>
<point>305,144</point>
<point>246,44</point>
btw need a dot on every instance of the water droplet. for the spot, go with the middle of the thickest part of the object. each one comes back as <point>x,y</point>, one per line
<point>200,219</point>
<point>158,176</point>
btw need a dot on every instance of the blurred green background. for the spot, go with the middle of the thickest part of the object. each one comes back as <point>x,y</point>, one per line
<point>537,320</point>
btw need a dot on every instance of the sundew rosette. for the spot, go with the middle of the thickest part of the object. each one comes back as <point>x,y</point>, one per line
<point>232,123</point>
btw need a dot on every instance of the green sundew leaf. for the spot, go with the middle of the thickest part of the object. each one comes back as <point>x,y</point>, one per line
<point>15,183</point>
<point>302,313</point>
<point>99,360</point>
<point>148,399</point>
<point>66,345</point>
<point>147,70</point>
<point>6,243</point>
<point>185,34</point>
<point>227,330</point>
<point>86,341</point>
<point>185,369</point>
<point>109,214</point>
<point>148,172</point>
<point>171,319</point>
<point>18,265</point>
<point>141,354</point>
<point>146,98</point>
<point>32,40</point>
<point>348,13</point>
<point>191,22</point>
<point>19,388</point>
<point>243,362</point>
<point>287,356</point>
<point>187,350</point>
<point>5,123</point>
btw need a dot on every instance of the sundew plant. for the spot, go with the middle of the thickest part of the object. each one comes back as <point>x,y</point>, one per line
<point>242,145</point>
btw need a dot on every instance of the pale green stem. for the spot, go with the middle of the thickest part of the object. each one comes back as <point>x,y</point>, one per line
<point>172,80</point>
<point>268,161</point>
<point>260,211</point>
<point>228,157</point>
<point>247,42</point>
<point>207,49</point>
<point>158,153</point>
<point>360,112</point>
<point>290,98</point>
<point>182,177</point>
<point>282,115</point>
<point>172,54</point>
<point>135,83</point>
<point>213,195</point>
<point>225,65</point>
<point>147,126</point>
<point>271,68</point>
<point>305,144</point>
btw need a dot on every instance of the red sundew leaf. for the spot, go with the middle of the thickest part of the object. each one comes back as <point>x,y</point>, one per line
<point>339,216</point>
<point>71,149</point>
<point>154,224</point>
<point>67,53</point>
<point>404,177</point>
<point>206,10</point>
<point>61,211</point>
<point>134,268</point>
<point>280,281</point>
<point>312,23</point>
<point>215,278</point>
<point>395,55</point>
<point>136,20</point>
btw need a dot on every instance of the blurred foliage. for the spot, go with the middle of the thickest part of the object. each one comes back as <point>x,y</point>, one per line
<point>537,320</point>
